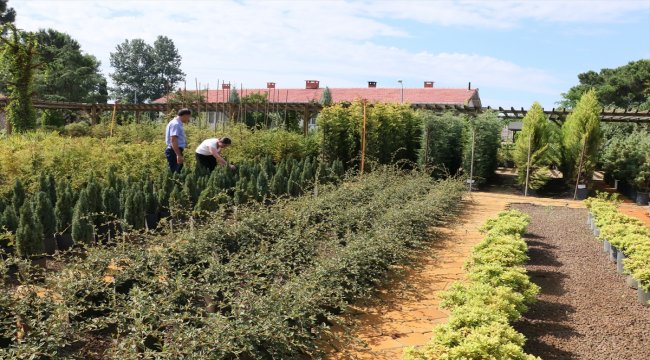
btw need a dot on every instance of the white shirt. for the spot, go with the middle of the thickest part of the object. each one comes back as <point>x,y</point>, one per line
<point>206,145</point>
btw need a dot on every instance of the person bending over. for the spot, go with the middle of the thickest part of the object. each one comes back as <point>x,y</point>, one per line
<point>208,153</point>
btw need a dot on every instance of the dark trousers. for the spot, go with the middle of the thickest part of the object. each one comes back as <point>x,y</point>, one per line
<point>207,161</point>
<point>171,160</point>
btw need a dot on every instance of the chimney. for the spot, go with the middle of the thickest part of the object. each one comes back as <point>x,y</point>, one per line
<point>469,86</point>
<point>225,86</point>
<point>311,84</point>
<point>270,85</point>
<point>372,84</point>
<point>428,84</point>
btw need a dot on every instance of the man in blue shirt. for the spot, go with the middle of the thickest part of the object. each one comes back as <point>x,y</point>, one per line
<point>176,141</point>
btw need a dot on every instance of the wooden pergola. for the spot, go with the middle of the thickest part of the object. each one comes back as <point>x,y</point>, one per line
<point>310,108</point>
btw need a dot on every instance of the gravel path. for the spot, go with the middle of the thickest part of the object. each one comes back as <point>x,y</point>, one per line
<point>585,310</point>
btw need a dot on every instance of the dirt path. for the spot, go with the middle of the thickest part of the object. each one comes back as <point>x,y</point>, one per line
<point>585,310</point>
<point>406,315</point>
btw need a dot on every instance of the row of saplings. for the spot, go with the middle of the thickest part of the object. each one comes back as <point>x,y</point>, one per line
<point>56,216</point>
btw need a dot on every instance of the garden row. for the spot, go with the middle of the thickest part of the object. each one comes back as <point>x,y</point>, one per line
<point>106,206</point>
<point>498,293</point>
<point>261,283</point>
<point>627,242</point>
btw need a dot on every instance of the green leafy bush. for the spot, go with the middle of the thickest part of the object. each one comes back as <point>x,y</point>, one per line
<point>485,131</point>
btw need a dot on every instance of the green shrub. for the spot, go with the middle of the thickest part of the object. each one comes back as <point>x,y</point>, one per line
<point>485,130</point>
<point>44,212</point>
<point>29,236</point>
<point>10,219</point>
<point>444,133</point>
<point>18,195</point>
<point>82,223</point>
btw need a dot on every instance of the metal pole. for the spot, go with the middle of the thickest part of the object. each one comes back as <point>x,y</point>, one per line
<point>471,164</point>
<point>402,91</point>
<point>530,142</point>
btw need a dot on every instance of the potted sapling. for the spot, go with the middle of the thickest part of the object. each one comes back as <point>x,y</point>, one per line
<point>29,236</point>
<point>43,210</point>
<point>63,214</point>
<point>642,182</point>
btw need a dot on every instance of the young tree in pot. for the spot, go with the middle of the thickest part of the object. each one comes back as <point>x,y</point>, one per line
<point>642,181</point>
<point>29,236</point>
<point>262,187</point>
<point>82,224</point>
<point>134,209</point>
<point>44,212</point>
<point>293,184</point>
<point>581,138</point>
<point>47,185</point>
<point>10,219</point>
<point>111,205</point>
<point>279,181</point>
<point>534,151</point>
<point>18,195</point>
<point>63,213</point>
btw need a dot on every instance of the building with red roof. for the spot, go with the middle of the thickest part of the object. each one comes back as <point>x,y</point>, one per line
<point>427,95</point>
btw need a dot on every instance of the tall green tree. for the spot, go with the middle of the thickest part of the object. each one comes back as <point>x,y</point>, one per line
<point>167,65</point>
<point>144,72</point>
<point>7,14</point>
<point>627,86</point>
<point>581,138</point>
<point>485,132</point>
<point>326,98</point>
<point>534,151</point>
<point>442,139</point>
<point>18,61</point>
<point>67,74</point>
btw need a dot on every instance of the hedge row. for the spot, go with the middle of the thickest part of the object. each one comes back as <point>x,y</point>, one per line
<point>261,283</point>
<point>498,292</point>
<point>627,234</point>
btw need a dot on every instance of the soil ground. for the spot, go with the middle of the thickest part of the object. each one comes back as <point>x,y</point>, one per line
<point>584,310</point>
<point>404,315</point>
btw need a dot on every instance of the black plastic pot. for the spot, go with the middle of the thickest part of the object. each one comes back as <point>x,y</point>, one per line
<point>582,194</point>
<point>613,251</point>
<point>643,296</point>
<point>619,262</point>
<point>607,246</point>
<point>39,261</point>
<point>50,245</point>
<point>642,198</point>
<point>596,231</point>
<point>151,221</point>
<point>64,241</point>
<point>590,219</point>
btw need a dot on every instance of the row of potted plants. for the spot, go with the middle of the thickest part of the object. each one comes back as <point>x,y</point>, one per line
<point>626,240</point>
<point>499,291</point>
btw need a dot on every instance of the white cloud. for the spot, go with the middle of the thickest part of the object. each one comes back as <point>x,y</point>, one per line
<point>288,42</point>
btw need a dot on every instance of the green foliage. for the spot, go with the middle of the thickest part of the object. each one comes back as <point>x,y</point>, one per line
<point>326,98</point>
<point>66,73</point>
<point>625,156</point>
<point>44,212</point>
<point>499,291</point>
<point>63,208</point>
<point>29,236</point>
<point>111,203</point>
<point>234,96</point>
<point>9,219</point>
<point>18,58</point>
<point>535,139</point>
<point>18,195</point>
<point>293,183</point>
<point>392,133</point>
<point>143,72</point>
<point>444,134</point>
<point>82,223</point>
<point>624,87</point>
<point>262,187</point>
<point>581,138</point>
<point>134,208</point>
<point>485,129</point>
<point>7,14</point>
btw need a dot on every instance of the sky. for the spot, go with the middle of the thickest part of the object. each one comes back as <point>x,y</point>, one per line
<point>514,52</point>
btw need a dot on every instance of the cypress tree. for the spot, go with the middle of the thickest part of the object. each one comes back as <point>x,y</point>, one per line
<point>534,139</point>
<point>94,192</point>
<point>323,172</point>
<point>190,188</point>
<point>240,193</point>
<point>18,195</point>
<point>47,185</point>
<point>82,226</point>
<point>63,208</point>
<point>111,203</point>
<point>279,181</point>
<point>10,219</point>
<point>134,211</point>
<point>307,174</point>
<point>29,236</point>
<point>44,213</point>
<point>337,170</point>
<point>293,185</point>
<point>251,188</point>
<point>268,167</point>
<point>262,187</point>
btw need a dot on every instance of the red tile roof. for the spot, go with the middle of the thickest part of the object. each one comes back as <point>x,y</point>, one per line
<point>389,95</point>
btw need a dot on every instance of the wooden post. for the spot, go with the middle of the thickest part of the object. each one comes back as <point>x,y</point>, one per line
<point>113,117</point>
<point>363,137</point>
<point>93,114</point>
